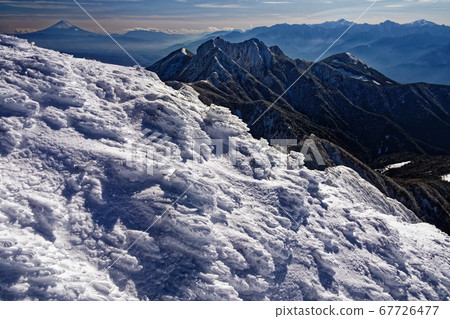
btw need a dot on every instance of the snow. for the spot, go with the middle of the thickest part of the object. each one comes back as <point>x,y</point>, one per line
<point>351,58</point>
<point>354,59</point>
<point>391,166</point>
<point>246,226</point>
<point>352,75</point>
<point>63,25</point>
<point>421,22</point>
<point>250,54</point>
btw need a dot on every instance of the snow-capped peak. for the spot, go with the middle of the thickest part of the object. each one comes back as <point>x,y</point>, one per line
<point>249,54</point>
<point>336,24</point>
<point>63,24</point>
<point>422,22</point>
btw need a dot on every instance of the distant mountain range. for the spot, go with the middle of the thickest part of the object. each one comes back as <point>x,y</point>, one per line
<point>358,116</point>
<point>411,52</point>
<point>145,46</point>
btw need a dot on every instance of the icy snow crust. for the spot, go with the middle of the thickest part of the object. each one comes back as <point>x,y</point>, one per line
<point>69,206</point>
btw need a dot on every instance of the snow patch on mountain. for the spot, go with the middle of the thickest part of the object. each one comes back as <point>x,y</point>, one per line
<point>252,229</point>
<point>354,59</point>
<point>421,22</point>
<point>392,166</point>
<point>352,75</point>
<point>335,24</point>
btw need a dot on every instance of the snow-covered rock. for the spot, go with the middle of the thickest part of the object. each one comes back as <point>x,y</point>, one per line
<point>80,220</point>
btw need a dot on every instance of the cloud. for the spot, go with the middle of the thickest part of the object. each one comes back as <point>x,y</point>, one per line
<point>141,29</point>
<point>50,5</point>
<point>426,1</point>
<point>119,15</point>
<point>24,30</point>
<point>213,29</point>
<point>215,5</point>
<point>395,6</point>
<point>276,2</point>
<point>36,4</point>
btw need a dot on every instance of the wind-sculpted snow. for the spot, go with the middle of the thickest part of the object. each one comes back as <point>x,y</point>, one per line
<point>245,226</point>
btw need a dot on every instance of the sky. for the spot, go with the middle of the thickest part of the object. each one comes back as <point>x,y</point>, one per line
<point>208,15</point>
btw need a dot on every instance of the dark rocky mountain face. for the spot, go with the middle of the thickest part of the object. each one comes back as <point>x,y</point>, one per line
<point>332,101</point>
<point>422,110</point>
<point>360,116</point>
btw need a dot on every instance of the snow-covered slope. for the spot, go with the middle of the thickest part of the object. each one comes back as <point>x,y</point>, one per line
<point>72,202</point>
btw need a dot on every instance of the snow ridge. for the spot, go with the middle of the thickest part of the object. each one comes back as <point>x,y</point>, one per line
<point>253,230</point>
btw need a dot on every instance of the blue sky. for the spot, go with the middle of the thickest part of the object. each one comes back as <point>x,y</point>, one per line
<point>188,15</point>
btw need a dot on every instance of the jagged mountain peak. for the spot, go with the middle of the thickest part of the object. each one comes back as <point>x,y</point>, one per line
<point>210,44</point>
<point>217,58</point>
<point>227,46</point>
<point>249,54</point>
